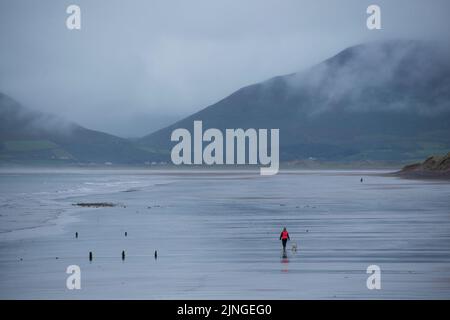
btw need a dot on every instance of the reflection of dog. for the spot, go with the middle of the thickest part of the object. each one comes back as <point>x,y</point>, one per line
<point>294,247</point>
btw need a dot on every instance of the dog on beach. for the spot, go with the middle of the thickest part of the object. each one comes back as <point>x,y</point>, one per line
<point>294,247</point>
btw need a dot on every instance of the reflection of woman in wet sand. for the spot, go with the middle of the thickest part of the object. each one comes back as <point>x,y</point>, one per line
<point>284,237</point>
<point>284,262</point>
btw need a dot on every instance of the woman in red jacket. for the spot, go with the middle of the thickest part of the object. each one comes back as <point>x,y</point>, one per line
<point>284,237</point>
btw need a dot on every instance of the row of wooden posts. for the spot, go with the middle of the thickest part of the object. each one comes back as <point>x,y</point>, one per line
<point>123,251</point>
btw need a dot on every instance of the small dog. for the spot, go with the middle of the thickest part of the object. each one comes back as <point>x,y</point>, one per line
<point>294,247</point>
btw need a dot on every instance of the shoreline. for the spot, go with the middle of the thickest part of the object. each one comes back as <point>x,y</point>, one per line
<point>177,170</point>
<point>422,176</point>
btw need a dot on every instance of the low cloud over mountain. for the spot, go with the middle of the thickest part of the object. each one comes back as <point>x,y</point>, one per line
<point>380,101</point>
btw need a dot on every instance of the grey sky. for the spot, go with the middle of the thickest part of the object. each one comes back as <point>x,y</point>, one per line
<point>138,65</point>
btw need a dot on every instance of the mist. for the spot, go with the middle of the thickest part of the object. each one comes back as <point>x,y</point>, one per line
<point>137,66</point>
<point>374,73</point>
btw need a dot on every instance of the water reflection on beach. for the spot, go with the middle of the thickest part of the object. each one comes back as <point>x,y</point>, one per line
<point>217,235</point>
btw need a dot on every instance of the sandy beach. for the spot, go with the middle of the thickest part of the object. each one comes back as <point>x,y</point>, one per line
<point>216,234</point>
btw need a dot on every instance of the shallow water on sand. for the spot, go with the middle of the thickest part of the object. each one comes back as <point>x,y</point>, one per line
<point>217,235</point>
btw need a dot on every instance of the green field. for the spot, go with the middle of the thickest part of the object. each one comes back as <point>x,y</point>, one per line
<point>28,145</point>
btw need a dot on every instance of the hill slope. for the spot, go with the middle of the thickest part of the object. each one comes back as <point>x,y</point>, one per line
<point>32,137</point>
<point>433,167</point>
<point>380,101</point>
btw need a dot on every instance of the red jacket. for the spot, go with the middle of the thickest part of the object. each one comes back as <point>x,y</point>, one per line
<point>284,235</point>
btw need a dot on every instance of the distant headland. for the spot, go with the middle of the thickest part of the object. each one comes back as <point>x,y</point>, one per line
<point>437,166</point>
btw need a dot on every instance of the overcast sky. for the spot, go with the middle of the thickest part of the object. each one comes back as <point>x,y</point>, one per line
<point>138,65</point>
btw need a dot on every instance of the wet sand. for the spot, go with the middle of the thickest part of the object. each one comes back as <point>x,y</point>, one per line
<point>217,237</point>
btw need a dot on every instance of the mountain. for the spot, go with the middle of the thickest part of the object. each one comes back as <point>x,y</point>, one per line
<point>387,100</point>
<point>28,136</point>
<point>433,167</point>
<point>384,101</point>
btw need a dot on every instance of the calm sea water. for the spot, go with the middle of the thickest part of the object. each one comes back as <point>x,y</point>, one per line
<point>216,234</point>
